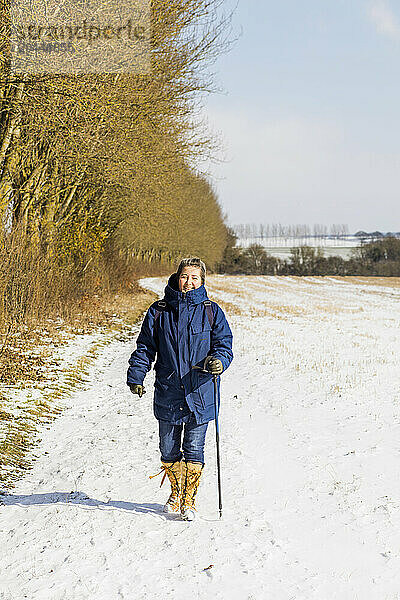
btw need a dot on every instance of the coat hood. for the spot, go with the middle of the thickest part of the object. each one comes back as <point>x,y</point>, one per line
<point>173,296</point>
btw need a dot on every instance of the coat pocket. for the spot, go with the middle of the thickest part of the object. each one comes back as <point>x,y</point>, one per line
<point>199,327</point>
<point>200,343</point>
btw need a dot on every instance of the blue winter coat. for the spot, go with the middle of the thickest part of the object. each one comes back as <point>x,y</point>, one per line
<point>178,332</point>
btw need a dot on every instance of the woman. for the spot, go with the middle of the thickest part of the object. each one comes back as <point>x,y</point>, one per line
<point>191,340</point>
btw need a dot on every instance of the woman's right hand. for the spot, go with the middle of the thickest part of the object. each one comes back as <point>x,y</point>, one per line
<point>137,389</point>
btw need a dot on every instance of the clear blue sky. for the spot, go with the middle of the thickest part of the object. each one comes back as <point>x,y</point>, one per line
<point>310,114</point>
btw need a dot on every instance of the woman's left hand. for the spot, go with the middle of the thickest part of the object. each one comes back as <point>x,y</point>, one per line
<point>213,365</point>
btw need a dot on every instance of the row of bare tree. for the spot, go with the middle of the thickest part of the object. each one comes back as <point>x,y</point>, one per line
<point>97,170</point>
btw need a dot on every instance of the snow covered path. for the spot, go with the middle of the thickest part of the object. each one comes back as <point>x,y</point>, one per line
<point>310,434</point>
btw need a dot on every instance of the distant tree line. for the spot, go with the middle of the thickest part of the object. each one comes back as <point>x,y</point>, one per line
<point>278,230</point>
<point>378,258</point>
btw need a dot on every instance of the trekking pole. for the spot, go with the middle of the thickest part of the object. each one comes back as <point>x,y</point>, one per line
<point>215,379</point>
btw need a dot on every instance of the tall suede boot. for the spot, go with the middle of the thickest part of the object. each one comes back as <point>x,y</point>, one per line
<point>173,471</point>
<point>191,474</point>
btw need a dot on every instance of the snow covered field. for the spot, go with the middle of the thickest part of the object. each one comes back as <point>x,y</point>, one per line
<point>310,434</point>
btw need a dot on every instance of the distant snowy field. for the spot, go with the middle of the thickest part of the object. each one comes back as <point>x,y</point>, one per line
<point>310,434</point>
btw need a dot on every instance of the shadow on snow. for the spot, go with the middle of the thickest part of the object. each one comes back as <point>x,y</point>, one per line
<point>82,499</point>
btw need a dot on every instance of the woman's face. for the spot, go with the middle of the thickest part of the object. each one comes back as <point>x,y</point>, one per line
<point>189,279</point>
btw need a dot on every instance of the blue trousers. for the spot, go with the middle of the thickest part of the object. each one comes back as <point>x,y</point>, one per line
<point>194,437</point>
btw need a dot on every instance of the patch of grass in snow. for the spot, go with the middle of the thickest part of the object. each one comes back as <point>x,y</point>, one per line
<point>231,309</point>
<point>21,419</point>
<point>277,311</point>
<point>16,364</point>
<point>336,309</point>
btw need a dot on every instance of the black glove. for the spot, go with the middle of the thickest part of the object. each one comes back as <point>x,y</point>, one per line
<point>213,365</point>
<point>137,389</point>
